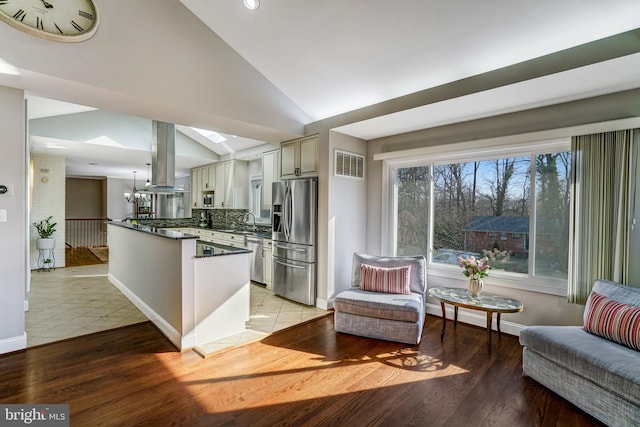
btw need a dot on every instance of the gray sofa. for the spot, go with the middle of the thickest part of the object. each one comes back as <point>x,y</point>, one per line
<point>597,375</point>
<point>391,317</point>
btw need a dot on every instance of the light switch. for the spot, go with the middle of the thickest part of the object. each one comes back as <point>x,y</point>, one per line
<point>3,215</point>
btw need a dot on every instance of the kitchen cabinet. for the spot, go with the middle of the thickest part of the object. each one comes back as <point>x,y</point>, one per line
<point>215,308</point>
<point>222,179</point>
<point>214,236</point>
<point>231,185</point>
<point>270,174</point>
<point>299,158</point>
<point>196,187</point>
<point>267,251</point>
<point>202,179</point>
<point>228,239</point>
<point>209,178</point>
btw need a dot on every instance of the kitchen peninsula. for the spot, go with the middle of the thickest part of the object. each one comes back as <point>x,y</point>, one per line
<point>193,293</point>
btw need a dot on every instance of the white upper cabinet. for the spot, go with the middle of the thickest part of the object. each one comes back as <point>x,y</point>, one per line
<point>231,185</point>
<point>209,181</point>
<point>228,180</point>
<point>299,158</point>
<point>270,174</point>
<point>196,187</point>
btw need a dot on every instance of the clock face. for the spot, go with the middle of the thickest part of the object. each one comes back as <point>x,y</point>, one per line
<point>60,20</point>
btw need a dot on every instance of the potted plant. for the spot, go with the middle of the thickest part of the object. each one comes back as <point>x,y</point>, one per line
<point>45,229</point>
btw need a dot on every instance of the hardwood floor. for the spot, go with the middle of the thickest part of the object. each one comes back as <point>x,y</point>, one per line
<point>306,375</point>
<point>75,257</point>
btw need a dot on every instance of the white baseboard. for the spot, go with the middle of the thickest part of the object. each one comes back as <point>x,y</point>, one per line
<point>8,345</point>
<point>322,303</point>
<point>475,317</point>
<point>182,342</point>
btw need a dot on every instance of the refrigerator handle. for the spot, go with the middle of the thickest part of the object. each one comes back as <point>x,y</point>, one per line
<point>287,213</point>
<point>288,265</point>
<point>275,245</point>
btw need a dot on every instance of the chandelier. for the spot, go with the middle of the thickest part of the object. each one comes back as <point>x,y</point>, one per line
<point>133,195</point>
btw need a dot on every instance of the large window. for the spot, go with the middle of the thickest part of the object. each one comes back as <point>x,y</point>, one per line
<point>513,209</point>
<point>412,213</point>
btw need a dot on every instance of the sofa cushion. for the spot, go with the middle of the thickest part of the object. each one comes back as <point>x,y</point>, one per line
<point>418,276</point>
<point>612,320</point>
<point>387,280</point>
<point>621,293</point>
<point>612,366</point>
<point>403,307</point>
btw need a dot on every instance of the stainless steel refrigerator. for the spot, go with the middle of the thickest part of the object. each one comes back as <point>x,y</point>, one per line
<point>294,234</point>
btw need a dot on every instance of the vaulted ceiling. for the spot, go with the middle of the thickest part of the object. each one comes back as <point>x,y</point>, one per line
<point>265,74</point>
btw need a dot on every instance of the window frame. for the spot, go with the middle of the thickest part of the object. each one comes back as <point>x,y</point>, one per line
<point>467,152</point>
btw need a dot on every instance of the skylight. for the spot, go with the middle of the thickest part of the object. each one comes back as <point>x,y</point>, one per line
<point>211,135</point>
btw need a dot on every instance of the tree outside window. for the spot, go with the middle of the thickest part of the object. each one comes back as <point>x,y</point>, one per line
<point>477,205</point>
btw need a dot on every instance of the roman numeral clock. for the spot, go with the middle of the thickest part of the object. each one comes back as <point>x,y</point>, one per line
<point>58,20</point>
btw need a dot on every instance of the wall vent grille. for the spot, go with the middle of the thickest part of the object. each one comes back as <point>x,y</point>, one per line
<point>348,164</point>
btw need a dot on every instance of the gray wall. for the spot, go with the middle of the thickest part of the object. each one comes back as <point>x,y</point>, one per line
<point>347,215</point>
<point>13,233</point>
<point>85,198</point>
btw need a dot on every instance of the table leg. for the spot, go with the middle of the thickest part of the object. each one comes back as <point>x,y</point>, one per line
<point>455,316</point>
<point>489,315</point>
<point>499,336</point>
<point>444,321</point>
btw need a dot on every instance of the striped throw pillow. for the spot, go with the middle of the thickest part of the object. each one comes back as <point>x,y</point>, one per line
<point>387,280</point>
<point>613,320</point>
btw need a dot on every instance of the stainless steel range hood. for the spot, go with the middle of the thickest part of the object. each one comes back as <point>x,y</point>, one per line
<point>167,200</point>
<point>163,161</point>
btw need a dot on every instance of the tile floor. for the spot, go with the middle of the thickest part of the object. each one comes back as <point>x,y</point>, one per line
<point>74,301</point>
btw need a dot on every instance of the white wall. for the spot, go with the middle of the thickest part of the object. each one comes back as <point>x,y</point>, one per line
<point>48,199</point>
<point>14,232</point>
<point>169,67</point>
<point>163,285</point>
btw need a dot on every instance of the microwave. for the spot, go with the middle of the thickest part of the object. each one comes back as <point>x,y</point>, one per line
<point>207,199</point>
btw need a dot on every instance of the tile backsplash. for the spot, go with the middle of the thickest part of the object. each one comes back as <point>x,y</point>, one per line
<point>216,218</point>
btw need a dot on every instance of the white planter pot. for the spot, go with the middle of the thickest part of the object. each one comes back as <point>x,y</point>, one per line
<point>49,243</point>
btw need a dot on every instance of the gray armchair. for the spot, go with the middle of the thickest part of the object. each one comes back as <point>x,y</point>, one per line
<point>386,316</point>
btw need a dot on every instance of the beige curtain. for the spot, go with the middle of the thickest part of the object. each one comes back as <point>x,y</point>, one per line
<point>603,174</point>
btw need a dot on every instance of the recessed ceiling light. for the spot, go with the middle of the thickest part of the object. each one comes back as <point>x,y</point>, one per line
<point>251,4</point>
<point>93,164</point>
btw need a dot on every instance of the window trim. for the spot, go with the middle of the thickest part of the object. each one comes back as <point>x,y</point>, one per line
<point>464,152</point>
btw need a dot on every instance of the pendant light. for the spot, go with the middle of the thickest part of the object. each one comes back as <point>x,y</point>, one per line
<point>148,184</point>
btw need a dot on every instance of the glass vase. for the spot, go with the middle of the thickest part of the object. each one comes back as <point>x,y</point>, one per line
<point>475,287</point>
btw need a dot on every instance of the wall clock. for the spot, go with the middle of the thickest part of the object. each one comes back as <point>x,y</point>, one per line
<point>59,20</point>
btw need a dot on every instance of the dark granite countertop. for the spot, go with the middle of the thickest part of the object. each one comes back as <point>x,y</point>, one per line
<point>261,234</point>
<point>206,249</point>
<point>169,233</point>
<point>162,232</point>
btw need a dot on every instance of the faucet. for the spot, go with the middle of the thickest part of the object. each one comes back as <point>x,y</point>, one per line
<point>246,219</point>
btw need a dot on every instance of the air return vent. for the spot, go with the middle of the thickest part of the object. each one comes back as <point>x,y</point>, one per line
<point>348,164</point>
